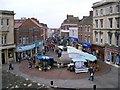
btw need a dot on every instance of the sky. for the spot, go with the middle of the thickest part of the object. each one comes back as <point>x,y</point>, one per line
<point>50,12</point>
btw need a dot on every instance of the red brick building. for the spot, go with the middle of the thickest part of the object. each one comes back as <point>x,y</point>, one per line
<point>29,37</point>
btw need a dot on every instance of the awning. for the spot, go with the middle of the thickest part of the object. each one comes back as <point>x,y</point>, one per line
<point>44,57</point>
<point>87,45</point>
<point>28,47</point>
<point>25,48</point>
<point>73,39</point>
<point>79,60</point>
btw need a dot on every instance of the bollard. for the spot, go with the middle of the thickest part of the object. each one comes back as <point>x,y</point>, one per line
<point>94,87</point>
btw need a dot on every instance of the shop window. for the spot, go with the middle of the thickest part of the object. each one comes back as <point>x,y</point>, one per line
<point>10,53</point>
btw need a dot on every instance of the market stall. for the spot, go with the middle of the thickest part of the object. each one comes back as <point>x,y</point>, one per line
<point>79,65</point>
<point>44,62</point>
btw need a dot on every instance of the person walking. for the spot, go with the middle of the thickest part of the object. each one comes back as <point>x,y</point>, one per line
<point>91,70</point>
<point>10,66</point>
<point>91,76</point>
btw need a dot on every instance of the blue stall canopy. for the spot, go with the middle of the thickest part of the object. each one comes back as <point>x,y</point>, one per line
<point>73,39</point>
<point>44,57</point>
<point>25,48</point>
<point>28,47</point>
<point>87,45</point>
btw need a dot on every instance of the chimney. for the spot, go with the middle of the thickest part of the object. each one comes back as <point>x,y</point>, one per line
<point>91,13</point>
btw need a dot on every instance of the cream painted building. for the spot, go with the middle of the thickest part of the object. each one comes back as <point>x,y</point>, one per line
<point>106,29</point>
<point>7,45</point>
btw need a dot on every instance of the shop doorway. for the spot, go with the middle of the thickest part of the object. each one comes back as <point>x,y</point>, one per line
<point>112,57</point>
<point>3,58</point>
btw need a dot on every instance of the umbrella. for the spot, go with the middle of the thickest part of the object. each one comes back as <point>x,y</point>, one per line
<point>44,57</point>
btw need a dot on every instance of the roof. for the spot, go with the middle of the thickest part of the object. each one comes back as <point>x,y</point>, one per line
<point>18,22</point>
<point>86,20</point>
<point>16,25</point>
<point>35,22</point>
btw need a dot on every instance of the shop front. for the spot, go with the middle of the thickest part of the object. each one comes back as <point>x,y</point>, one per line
<point>112,54</point>
<point>8,54</point>
<point>98,51</point>
<point>28,50</point>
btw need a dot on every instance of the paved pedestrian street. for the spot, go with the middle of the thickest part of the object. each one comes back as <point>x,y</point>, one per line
<point>106,77</point>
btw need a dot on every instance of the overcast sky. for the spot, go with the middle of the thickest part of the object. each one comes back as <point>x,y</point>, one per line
<point>51,12</point>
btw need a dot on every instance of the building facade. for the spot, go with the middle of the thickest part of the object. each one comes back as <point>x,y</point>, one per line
<point>7,45</point>
<point>69,27</point>
<point>106,30</point>
<point>30,36</point>
<point>85,31</point>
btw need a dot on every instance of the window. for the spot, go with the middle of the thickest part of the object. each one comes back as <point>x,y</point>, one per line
<point>4,39</point>
<point>88,29</point>
<point>101,12</point>
<point>24,40</point>
<point>85,38</point>
<point>118,8</point>
<point>101,23</point>
<point>81,37</point>
<point>118,22</point>
<point>101,38</point>
<point>1,21</point>
<point>96,23</point>
<point>7,21</point>
<point>81,28</point>
<point>110,37</point>
<point>110,10</point>
<point>10,53</point>
<point>96,37</point>
<point>88,39</point>
<point>110,22</point>
<point>96,12</point>
<point>117,38</point>
<point>20,40</point>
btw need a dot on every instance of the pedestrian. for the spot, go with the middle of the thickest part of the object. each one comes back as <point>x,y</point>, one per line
<point>10,66</point>
<point>91,76</point>
<point>30,64</point>
<point>91,70</point>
